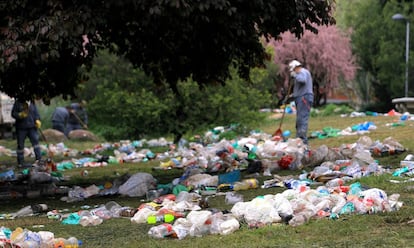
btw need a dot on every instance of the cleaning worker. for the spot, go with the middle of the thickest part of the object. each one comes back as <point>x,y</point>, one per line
<point>27,124</point>
<point>303,96</point>
<point>78,117</point>
<point>59,118</point>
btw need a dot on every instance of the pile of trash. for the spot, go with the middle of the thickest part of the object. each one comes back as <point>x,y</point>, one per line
<point>254,155</point>
<point>187,213</point>
<point>20,237</point>
<point>180,208</point>
<point>23,237</point>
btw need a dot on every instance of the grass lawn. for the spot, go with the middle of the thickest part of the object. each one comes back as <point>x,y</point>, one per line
<point>374,230</point>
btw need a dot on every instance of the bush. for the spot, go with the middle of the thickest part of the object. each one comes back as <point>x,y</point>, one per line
<point>129,104</point>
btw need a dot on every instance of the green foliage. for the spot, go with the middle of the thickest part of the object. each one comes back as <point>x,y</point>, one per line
<point>125,104</point>
<point>381,53</point>
<point>46,111</point>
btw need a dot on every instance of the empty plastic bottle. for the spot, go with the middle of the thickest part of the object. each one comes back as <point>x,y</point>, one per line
<point>72,242</point>
<point>246,184</point>
<point>335,183</point>
<point>300,218</point>
<point>114,208</point>
<point>161,231</point>
<point>199,230</point>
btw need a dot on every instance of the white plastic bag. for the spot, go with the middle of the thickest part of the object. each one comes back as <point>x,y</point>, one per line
<point>138,185</point>
<point>229,226</point>
<point>141,216</point>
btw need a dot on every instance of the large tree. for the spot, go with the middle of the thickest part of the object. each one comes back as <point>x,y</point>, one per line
<point>46,44</point>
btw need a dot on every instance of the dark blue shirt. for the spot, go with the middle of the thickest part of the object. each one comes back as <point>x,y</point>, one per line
<point>32,114</point>
<point>61,114</point>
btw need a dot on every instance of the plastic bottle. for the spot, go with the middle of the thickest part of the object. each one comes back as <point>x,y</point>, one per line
<point>299,219</point>
<point>152,194</point>
<point>26,244</point>
<point>199,230</point>
<point>51,165</point>
<point>72,242</point>
<point>59,243</point>
<point>165,218</point>
<point>335,183</point>
<point>127,212</point>
<point>114,208</point>
<point>18,235</point>
<point>161,231</point>
<point>246,184</point>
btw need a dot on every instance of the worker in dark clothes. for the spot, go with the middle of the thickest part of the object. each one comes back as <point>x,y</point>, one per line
<point>59,118</point>
<point>78,117</point>
<point>27,124</point>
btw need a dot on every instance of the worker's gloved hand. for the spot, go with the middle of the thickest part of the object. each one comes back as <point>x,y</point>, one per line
<point>292,74</point>
<point>287,99</point>
<point>23,114</point>
<point>38,124</point>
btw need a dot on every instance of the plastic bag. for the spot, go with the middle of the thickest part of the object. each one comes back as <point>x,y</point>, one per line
<point>141,216</point>
<point>202,179</point>
<point>138,185</point>
<point>233,197</point>
<point>199,217</point>
<point>229,226</point>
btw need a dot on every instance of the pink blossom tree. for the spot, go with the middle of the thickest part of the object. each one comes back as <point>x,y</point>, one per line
<point>327,54</point>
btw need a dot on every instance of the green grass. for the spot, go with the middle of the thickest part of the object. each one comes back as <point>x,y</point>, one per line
<point>377,230</point>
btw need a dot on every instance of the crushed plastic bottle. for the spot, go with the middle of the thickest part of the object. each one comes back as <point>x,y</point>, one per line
<point>246,184</point>
<point>114,208</point>
<point>300,218</point>
<point>336,182</point>
<point>161,231</point>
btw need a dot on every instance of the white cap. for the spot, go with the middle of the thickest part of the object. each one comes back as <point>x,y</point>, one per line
<point>293,64</point>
